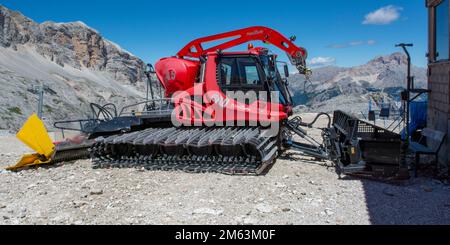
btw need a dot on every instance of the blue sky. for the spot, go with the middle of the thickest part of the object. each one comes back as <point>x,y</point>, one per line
<point>341,32</point>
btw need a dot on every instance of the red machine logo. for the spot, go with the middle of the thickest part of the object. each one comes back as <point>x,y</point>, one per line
<point>170,75</point>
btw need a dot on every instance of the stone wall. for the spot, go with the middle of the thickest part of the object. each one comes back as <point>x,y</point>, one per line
<point>438,105</point>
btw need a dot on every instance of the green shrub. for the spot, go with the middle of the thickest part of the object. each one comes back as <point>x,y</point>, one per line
<point>15,110</point>
<point>48,108</point>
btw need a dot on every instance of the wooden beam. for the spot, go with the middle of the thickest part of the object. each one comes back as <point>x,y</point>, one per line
<point>431,35</point>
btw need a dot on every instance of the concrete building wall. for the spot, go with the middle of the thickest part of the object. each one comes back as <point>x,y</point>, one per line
<point>438,104</point>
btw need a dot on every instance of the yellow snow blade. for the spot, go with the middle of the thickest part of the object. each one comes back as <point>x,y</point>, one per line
<point>28,160</point>
<point>35,136</point>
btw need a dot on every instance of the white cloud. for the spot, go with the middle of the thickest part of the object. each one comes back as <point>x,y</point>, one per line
<point>352,44</point>
<point>383,16</point>
<point>356,43</point>
<point>321,61</point>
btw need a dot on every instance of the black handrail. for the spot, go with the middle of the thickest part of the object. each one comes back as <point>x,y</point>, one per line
<point>166,100</point>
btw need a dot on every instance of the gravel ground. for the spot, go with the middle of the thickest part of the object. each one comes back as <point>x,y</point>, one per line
<point>295,191</point>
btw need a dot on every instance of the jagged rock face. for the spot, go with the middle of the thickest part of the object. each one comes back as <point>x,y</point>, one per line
<point>73,44</point>
<point>73,60</point>
<point>15,28</point>
<point>350,88</point>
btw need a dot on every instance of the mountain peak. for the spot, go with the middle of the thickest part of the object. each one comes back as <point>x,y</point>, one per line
<point>75,25</point>
<point>74,44</point>
<point>396,58</point>
<point>72,58</point>
<point>6,12</point>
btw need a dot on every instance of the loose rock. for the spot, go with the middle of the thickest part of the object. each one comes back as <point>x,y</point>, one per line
<point>250,221</point>
<point>96,192</point>
<point>77,204</point>
<point>207,211</point>
<point>328,211</point>
<point>263,208</point>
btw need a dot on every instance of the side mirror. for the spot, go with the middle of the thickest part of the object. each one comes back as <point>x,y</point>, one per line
<point>286,71</point>
<point>272,63</point>
<point>150,68</point>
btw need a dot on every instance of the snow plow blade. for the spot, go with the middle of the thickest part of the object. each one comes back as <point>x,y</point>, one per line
<point>34,134</point>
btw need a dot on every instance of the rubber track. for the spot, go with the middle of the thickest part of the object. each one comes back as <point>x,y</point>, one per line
<point>236,151</point>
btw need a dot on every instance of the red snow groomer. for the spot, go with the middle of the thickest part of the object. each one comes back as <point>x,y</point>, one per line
<point>222,111</point>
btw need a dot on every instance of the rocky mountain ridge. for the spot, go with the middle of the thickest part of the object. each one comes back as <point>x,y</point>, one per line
<point>72,59</point>
<point>349,88</point>
<point>74,44</point>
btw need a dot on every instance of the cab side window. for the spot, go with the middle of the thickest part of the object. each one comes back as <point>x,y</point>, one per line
<point>240,73</point>
<point>229,74</point>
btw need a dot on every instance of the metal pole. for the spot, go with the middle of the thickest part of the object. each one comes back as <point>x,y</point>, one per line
<point>146,97</point>
<point>160,92</point>
<point>408,85</point>
<point>41,100</point>
<point>149,82</point>
<point>405,142</point>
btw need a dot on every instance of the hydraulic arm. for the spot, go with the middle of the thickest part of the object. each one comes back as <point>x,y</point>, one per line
<point>297,55</point>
